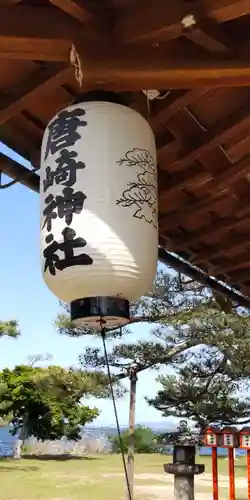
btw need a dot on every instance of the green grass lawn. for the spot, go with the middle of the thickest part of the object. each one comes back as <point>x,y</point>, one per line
<point>93,478</point>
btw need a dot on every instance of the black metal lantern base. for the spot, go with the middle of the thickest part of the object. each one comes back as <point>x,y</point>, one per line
<point>99,312</point>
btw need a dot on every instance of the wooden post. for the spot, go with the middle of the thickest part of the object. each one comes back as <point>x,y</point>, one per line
<point>131,445</point>
<point>231,474</point>
<point>215,474</point>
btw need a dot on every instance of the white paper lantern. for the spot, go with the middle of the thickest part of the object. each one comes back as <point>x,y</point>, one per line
<point>99,221</point>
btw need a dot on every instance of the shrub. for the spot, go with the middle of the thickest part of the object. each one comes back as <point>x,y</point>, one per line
<point>144,440</point>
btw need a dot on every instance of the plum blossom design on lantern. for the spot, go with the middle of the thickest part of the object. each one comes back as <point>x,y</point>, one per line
<point>140,194</point>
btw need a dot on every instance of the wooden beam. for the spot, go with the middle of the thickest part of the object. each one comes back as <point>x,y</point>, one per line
<point>73,9</point>
<point>17,171</point>
<point>38,33</point>
<point>199,275</point>
<point>157,68</point>
<point>30,91</point>
<point>34,49</point>
<point>146,22</point>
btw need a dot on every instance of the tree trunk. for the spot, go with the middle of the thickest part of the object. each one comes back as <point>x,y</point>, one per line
<point>17,449</point>
<point>131,446</point>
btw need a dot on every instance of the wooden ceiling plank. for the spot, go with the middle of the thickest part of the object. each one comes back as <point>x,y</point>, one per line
<point>240,276</point>
<point>72,8</point>
<point>145,22</point>
<point>171,220</point>
<point>221,132</point>
<point>218,183</point>
<point>233,242</point>
<point>34,89</point>
<point>218,228</point>
<point>183,179</point>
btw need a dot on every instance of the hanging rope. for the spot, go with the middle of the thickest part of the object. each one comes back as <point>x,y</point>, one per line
<point>8,184</point>
<point>75,61</point>
<point>115,410</point>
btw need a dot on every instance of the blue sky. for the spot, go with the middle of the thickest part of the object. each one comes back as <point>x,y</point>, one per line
<point>25,297</point>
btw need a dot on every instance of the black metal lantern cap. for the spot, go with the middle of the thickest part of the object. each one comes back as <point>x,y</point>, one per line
<point>100,312</point>
<point>102,96</point>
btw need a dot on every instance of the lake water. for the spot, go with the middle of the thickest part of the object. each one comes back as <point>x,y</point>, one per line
<point>7,441</point>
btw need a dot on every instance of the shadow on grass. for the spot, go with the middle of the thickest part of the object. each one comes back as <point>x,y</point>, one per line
<point>59,458</point>
<point>14,467</point>
<point>240,466</point>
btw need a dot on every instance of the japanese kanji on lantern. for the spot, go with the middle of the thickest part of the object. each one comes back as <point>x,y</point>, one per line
<point>99,220</point>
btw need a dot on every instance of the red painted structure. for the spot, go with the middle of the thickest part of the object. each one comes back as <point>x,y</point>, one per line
<point>230,439</point>
<point>211,439</point>
<point>245,444</point>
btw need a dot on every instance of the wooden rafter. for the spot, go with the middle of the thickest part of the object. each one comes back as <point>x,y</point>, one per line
<point>225,246</point>
<point>72,8</point>
<point>240,275</point>
<point>221,132</point>
<point>173,102</point>
<point>171,221</point>
<point>215,185</point>
<point>31,90</point>
<point>210,38</point>
<point>172,185</point>
<point>219,227</point>
<point>145,22</point>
